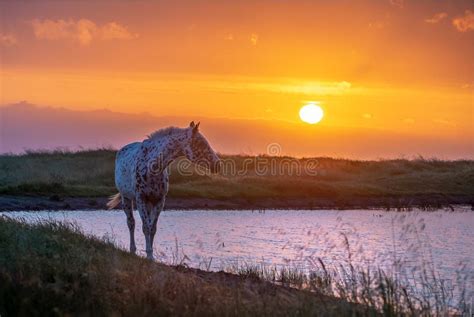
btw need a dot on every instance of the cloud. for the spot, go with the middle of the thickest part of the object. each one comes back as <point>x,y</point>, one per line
<point>254,38</point>
<point>83,31</point>
<point>114,30</point>
<point>281,86</point>
<point>436,18</point>
<point>377,25</point>
<point>444,122</point>
<point>398,3</point>
<point>8,40</point>
<point>465,23</point>
<point>467,86</point>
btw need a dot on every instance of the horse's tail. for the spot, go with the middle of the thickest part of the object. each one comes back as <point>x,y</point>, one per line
<point>114,200</point>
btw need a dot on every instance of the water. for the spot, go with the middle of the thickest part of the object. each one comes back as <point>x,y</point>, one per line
<point>219,239</point>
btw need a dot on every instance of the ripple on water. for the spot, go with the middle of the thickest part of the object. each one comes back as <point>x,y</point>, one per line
<point>293,237</point>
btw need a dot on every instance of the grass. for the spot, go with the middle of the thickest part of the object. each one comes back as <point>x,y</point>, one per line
<point>90,173</point>
<point>372,288</point>
<point>51,268</point>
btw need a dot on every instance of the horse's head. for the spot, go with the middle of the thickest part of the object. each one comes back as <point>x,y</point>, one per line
<point>199,151</point>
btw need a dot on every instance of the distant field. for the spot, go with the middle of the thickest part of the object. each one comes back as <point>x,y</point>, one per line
<point>248,179</point>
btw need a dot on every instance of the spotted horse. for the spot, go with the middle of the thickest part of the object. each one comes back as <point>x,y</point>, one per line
<point>142,174</point>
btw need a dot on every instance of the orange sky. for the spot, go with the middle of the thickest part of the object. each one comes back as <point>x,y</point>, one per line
<point>390,65</point>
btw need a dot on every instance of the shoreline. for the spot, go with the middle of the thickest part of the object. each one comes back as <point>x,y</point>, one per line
<point>402,203</point>
<point>91,276</point>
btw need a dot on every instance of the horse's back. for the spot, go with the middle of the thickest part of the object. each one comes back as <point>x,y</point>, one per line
<point>125,168</point>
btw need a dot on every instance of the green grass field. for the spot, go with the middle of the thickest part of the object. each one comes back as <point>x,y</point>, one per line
<point>91,174</point>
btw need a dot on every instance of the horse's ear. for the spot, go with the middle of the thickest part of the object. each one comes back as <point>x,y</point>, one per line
<point>191,125</point>
<point>196,127</point>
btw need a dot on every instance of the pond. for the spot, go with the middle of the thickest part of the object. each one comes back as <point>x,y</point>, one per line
<point>441,241</point>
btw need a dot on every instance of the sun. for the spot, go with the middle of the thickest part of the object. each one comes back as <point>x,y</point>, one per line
<point>311,113</point>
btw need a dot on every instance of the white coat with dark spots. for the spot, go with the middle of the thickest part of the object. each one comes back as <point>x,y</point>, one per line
<point>141,174</point>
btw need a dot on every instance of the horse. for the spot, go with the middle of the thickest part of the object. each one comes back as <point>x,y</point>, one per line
<point>142,176</point>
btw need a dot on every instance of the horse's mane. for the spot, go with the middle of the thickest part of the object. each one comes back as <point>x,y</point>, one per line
<point>165,132</point>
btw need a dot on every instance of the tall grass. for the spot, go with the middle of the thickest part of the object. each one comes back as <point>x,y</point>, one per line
<point>52,265</point>
<point>403,291</point>
<point>410,283</point>
<point>51,268</point>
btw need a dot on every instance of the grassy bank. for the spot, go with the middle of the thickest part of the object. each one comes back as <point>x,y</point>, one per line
<point>249,180</point>
<point>52,269</point>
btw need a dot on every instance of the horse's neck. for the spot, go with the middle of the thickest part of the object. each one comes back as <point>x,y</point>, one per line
<point>165,150</point>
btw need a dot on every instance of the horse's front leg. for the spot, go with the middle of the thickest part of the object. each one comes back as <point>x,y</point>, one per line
<point>154,215</point>
<point>149,214</point>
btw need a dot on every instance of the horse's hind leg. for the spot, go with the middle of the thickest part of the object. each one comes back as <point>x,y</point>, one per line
<point>127,208</point>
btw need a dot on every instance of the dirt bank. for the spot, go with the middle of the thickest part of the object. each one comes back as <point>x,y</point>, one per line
<point>31,203</point>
